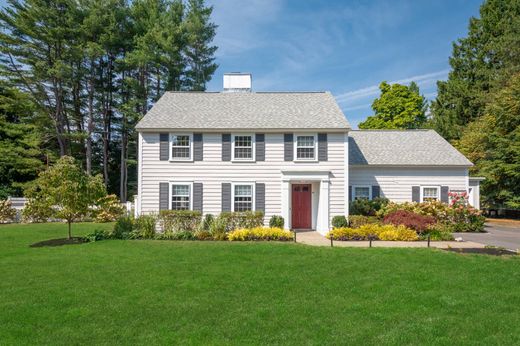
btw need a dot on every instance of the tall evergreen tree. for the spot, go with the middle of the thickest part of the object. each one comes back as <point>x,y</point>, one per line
<point>480,62</point>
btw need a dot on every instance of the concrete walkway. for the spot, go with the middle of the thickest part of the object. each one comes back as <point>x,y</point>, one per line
<point>316,239</point>
<point>502,233</point>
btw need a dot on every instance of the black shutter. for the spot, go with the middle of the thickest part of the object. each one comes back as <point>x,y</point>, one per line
<point>322,147</point>
<point>375,191</point>
<point>288,147</point>
<point>260,147</point>
<point>226,147</point>
<point>226,196</point>
<point>350,198</point>
<point>260,197</point>
<point>164,146</point>
<point>444,194</point>
<point>416,193</point>
<point>197,197</point>
<point>164,193</point>
<point>198,149</point>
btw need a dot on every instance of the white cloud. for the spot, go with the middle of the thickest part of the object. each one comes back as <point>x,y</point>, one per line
<point>424,80</point>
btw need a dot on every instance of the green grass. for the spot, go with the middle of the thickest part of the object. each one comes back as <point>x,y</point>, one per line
<point>166,292</point>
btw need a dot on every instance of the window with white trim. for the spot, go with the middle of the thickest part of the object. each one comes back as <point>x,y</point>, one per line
<point>430,193</point>
<point>243,147</point>
<point>180,196</point>
<point>361,192</point>
<point>181,147</point>
<point>305,147</point>
<point>243,197</point>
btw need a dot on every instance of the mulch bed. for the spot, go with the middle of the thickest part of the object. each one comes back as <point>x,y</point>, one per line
<point>60,242</point>
<point>485,251</point>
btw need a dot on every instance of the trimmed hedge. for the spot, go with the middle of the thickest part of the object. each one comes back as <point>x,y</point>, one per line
<point>374,232</point>
<point>339,221</point>
<point>276,221</point>
<point>245,219</point>
<point>260,233</point>
<point>173,221</point>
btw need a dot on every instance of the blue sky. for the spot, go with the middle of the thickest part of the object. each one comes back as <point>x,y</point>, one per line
<point>346,47</point>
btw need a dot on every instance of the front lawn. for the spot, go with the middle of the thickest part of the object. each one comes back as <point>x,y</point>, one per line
<point>171,292</point>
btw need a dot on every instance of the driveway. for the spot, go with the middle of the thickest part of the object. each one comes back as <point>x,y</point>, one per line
<point>503,233</point>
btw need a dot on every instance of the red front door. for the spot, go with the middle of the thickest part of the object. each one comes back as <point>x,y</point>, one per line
<point>301,206</point>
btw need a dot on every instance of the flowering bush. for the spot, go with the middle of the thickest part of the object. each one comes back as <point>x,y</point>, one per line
<point>374,231</point>
<point>417,222</point>
<point>7,212</point>
<point>458,215</point>
<point>355,221</point>
<point>109,209</point>
<point>260,233</point>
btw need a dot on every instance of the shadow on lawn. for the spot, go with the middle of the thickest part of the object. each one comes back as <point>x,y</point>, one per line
<point>60,242</point>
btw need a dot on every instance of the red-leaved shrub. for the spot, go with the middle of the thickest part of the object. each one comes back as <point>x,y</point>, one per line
<point>417,222</point>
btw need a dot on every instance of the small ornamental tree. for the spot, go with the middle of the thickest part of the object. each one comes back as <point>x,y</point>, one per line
<point>66,190</point>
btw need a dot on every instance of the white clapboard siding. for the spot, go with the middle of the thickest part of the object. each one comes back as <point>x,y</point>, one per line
<point>396,183</point>
<point>212,172</point>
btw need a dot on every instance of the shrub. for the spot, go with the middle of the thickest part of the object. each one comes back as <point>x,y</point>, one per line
<point>123,228</point>
<point>108,209</point>
<point>417,222</point>
<point>339,221</point>
<point>97,235</point>
<point>400,233</point>
<point>276,221</point>
<point>437,233</point>
<point>181,235</point>
<point>218,229</point>
<point>144,227</point>
<point>7,212</point>
<point>180,220</point>
<point>207,222</point>
<point>245,219</point>
<point>459,216</point>
<point>356,221</point>
<point>367,207</point>
<point>34,211</point>
<point>260,233</point>
<point>202,235</point>
<point>374,231</point>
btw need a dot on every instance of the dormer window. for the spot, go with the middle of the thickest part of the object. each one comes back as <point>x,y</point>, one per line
<point>181,147</point>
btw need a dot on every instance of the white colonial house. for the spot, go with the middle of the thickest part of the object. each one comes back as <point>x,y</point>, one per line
<point>285,153</point>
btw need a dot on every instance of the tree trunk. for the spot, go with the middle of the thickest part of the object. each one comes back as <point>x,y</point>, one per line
<point>70,234</point>
<point>90,121</point>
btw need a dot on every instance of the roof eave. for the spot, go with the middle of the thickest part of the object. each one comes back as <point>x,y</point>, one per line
<point>251,129</point>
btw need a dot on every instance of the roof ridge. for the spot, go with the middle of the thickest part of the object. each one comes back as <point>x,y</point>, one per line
<point>247,93</point>
<point>392,130</point>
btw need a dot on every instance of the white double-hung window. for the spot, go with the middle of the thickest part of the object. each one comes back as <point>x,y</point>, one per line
<point>181,147</point>
<point>181,196</point>
<point>243,197</point>
<point>430,193</point>
<point>243,147</point>
<point>361,192</point>
<point>305,147</point>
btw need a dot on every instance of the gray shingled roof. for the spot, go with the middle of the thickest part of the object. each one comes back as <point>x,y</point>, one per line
<point>402,147</point>
<point>254,110</point>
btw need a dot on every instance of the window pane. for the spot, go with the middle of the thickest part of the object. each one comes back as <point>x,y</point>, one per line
<point>181,153</point>
<point>430,194</point>
<point>243,198</point>
<point>243,153</point>
<point>305,141</point>
<point>305,153</point>
<point>243,190</point>
<point>243,141</point>
<point>183,140</point>
<point>180,197</point>
<point>361,193</point>
<point>181,147</point>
